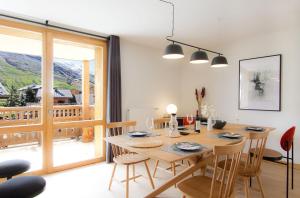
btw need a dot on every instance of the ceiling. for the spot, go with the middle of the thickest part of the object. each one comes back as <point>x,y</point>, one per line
<point>207,23</point>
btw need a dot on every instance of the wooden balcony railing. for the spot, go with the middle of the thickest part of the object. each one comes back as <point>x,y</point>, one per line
<point>10,116</point>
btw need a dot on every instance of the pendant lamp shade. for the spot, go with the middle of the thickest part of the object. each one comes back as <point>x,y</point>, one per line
<point>219,61</point>
<point>173,51</point>
<point>199,57</point>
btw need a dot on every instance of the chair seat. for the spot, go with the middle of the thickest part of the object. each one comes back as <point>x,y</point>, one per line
<point>13,167</point>
<point>242,171</point>
<point>270,155</point>
<point>130,158</point>
<point>22,187</point>
<point>198,186</point>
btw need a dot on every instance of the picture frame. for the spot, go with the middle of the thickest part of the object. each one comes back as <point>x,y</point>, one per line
<point>260,83</point>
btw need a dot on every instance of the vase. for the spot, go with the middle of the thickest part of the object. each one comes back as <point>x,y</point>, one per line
<point>199,110</point>
<point>210,123</point>
<point>173,126</point>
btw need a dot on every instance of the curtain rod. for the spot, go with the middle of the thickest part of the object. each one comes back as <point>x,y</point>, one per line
<point>54,26</point>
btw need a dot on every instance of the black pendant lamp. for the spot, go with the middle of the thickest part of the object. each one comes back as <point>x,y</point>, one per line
<point>199,57</point>
<point>173,51</point>
<point>219,61</point>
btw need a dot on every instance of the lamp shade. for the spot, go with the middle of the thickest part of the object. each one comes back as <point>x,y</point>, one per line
<point>171,109</point>
<point>199,57</point>
<point>173,51</point>
<point>219,61</point>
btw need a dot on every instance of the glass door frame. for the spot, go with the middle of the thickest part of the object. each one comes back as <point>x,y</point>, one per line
<point>47,124</point>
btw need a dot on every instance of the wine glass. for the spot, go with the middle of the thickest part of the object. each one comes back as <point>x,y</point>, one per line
<point>214,117</point>
<point>150,124</point>
<point>189,119</point>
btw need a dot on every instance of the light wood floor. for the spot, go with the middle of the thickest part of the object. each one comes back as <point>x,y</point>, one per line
<point>92,182</point>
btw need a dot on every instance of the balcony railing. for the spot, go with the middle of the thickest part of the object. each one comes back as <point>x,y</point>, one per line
<point>10,116</point>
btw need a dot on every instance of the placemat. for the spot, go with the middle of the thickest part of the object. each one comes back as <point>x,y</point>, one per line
<point>173,149</point>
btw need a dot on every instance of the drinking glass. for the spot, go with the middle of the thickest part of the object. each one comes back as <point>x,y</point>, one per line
<point>190,119</point>
<point>150,124</point>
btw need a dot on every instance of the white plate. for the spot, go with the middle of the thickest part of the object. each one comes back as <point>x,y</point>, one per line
<point>138,133</point>
<point>188,146</point>
<point>231,135</point>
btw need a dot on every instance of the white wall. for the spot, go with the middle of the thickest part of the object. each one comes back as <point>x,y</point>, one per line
<point>150,81</point>
<point>222,83</point>
<point>147,79</point>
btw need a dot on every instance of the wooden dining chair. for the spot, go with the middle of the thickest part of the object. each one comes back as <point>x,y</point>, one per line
<point>123,156</point>
<point>287,144</point>
<point>161,123</point>
<point>205,186</point>
<point>251,166</point>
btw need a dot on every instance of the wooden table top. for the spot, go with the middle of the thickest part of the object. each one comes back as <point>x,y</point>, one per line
<point>206,138</point>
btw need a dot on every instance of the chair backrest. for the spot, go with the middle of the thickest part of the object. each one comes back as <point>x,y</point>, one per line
<point>232,155</point>
<point>119,128</point>
<point>161,123</point>
<point>287,139</point>
<point>257,145</point>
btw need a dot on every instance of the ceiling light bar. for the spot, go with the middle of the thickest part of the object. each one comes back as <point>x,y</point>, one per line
<point>189,45</point>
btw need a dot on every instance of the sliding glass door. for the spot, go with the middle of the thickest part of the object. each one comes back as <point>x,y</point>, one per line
<point>77,93</point>
<point>21,131</point>
<point>52,97</point>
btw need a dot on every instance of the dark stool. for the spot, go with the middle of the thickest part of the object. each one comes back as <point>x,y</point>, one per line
<point>287,144</point>
<point>22,187</point>
<point>10,168</point>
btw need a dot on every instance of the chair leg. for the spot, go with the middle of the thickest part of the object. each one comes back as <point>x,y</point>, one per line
<point>287,174</point>
<point>112,176</point>
<point>155,168</point>
<point>219,172</point>
<point>189,163</point>
<point>246,187</point>
<point>292,165</point>
<point>250,178</point>
<point>149,175</point>
<point>127,181</point>
<point>260,186</point>
<point>133,172</point>
<point>173,168</point>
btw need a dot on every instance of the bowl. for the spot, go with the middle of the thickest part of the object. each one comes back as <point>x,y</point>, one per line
<point>219,124</point>
<point>183,133</point>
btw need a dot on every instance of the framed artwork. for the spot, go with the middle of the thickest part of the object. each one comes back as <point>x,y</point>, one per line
<point>260,83</point>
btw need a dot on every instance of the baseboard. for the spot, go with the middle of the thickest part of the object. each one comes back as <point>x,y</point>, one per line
<point>283,163</point>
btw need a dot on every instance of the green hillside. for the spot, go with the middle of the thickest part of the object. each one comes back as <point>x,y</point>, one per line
<point>10,75</point>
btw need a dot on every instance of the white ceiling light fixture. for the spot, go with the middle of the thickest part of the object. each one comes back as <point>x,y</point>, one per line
<point>174,50</point>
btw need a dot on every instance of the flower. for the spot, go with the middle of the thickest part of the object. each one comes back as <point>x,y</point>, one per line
<point>203,92</point>
<point>200,97</point>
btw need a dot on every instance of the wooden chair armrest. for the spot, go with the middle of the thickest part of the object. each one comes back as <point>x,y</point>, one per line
<point>199,162</point>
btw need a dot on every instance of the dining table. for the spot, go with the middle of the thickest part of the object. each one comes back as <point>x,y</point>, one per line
<point>160,146</point>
